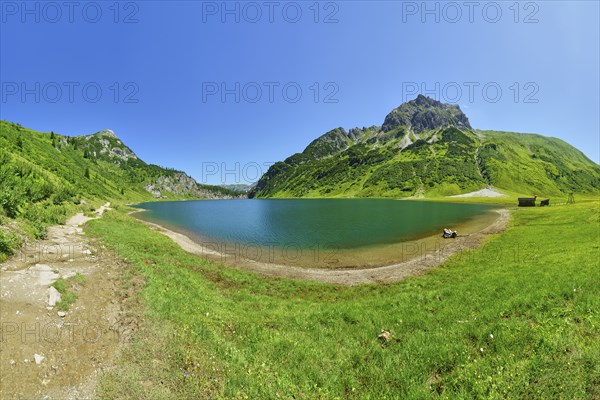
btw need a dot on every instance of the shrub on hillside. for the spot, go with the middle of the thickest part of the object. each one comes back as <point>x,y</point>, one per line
<point>8,243</point>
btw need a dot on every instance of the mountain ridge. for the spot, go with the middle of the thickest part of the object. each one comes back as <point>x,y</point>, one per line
<point>45,177</point>
<point>425,113</point>
<point>428,148</point>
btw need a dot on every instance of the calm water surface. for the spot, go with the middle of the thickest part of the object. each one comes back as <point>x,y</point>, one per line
<point>306,223</point>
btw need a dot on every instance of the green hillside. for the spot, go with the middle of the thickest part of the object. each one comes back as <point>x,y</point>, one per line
<point>528,163</point>
<point>427,148</point>
<point>45,177</point>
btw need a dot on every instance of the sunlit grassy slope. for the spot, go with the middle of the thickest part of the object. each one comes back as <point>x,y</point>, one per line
<point>45,177</point>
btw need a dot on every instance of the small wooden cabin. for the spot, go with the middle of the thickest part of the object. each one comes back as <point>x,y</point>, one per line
<point>527,201</point>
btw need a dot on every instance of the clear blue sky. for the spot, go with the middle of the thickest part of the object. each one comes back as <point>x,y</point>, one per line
<point>368,56</point>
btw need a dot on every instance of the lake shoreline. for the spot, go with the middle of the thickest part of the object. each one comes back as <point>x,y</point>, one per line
<point>345,276</point>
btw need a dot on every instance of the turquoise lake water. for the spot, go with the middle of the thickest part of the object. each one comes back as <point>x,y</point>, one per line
<point>341,223</point>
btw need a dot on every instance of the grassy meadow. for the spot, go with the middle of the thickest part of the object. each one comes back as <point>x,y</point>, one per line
<point>516,318</point>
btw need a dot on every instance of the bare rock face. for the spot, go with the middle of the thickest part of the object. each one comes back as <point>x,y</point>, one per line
<point>107,132</point>
<point>424,113</point>
<point>107,146</point>
<point>180,183</point>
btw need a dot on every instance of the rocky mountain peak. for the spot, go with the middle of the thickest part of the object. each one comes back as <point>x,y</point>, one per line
<point>106,145</point>
<point>425,113</point>
<point>105,132</point>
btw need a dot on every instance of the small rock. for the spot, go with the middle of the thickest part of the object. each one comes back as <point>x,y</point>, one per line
<point>38,358</point>
<point>384,336</point>
<point>53,296</point>
<point>18,312</point>
<point>13,362</point>
<point>62,314</point>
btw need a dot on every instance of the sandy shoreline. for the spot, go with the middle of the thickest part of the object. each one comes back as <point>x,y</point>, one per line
<point>348,277</point>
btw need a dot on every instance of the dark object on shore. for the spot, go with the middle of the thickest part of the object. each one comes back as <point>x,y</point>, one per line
<point>449,234</point>
<point>545,203</point>
<point>571,199</point>
<point>527,201</point>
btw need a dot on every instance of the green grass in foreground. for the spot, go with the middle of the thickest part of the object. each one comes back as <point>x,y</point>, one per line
<point>516,318</point>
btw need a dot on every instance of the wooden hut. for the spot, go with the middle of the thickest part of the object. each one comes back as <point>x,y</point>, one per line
<point>527,201</point>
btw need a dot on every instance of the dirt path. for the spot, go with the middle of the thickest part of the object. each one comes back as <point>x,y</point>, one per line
<point>45,354</point>
<point>387,274</point>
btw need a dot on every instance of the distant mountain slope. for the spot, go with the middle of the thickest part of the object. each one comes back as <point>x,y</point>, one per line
<point>96,165</point>
<point>238,187</point>
<point>425,147</point>
<point>43,176</point>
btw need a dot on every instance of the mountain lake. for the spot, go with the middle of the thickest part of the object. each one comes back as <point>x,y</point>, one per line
<point>324,233</point>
